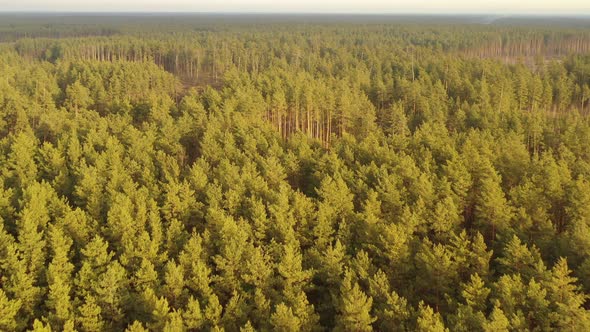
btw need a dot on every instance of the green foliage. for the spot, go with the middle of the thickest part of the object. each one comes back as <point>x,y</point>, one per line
<point>347,177</point>
<point>284,320</point>
<point>8,311</point>
<point>354,307</point>
<point>428,320</point>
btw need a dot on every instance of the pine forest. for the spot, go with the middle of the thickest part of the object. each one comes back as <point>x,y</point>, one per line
<point>251,173</point>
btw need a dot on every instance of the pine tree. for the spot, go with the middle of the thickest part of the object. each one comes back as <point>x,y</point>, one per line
<point>234,312</point>
<point>492,211</point>
<point>517,258</point>
<point>31,227</point>
<point>77,97</point>
<point>157,309</point>
<point>213,311</point>
<point>174,284</point>
<point>537,306</point>
<point>192,315</point>
<point>90,316</point>
<point>284,320</point>
<point>497,321</point>
<point>21,284</point>
<point>59,278</point>
<point>136,327</point>
<point>195,266</point>
<point>22,165</point>
<point>509,291</point>
<point>567,300</point>
<point>475,293</point>
<point>174,322</point>
<point>438,271</point>
<point>392,311</point>
<point>233,249</point>
<point>336,207</point>
<point>146,276</point>
<point>290,267</point>
<point>112,292</point>
<point>354,307</point>
<point>8,312</point>
<point>247,328</point>
<point>38,326</point>
<point>428,320</point>
<point>96,260</point>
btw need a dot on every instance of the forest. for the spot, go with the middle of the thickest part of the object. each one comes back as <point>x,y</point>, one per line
<point>198,173</point>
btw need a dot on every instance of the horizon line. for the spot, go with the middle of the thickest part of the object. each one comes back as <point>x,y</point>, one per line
<point>401,13</point>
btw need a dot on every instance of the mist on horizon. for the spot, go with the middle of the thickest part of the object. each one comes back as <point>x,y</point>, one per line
<point>527,7</point>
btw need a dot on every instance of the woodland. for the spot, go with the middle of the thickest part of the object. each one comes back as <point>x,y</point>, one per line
<point>162,174</point>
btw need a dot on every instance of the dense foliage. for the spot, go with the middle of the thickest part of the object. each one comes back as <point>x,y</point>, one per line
<point>296,178</point>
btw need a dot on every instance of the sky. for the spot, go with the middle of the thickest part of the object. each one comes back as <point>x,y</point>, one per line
<point>554,7</point>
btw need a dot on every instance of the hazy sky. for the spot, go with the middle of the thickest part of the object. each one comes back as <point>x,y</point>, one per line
<point>317,6</point>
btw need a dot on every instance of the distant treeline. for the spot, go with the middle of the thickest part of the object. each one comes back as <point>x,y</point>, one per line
<point>530,44</point>
<point>314,78</point>
<point>188,49</point>
<point>13,33</point>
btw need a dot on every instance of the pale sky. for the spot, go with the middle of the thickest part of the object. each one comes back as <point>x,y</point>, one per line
<point>556,7</point>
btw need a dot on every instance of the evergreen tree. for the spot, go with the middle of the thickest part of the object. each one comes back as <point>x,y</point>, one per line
<point>428,320</point>
<point>497,321</point>
<point>8,312</point>
<point>567,299</point>
<point>354,307</point>
<point>59,279</point>
<point>284,320</point>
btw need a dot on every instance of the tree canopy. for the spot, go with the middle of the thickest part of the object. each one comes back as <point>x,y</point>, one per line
<point>290,177</point>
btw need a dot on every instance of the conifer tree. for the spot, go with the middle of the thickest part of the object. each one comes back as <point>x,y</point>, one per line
<point>192,315</point>
<point>497,321</point>
<point>354,307</point>
<point>59,279</point>
<point>90,316</point>
<point>492,212</point>
<point>284,320</point>
<point>8,312</point>
<point>567,299</point>
<point>428,320</point>
<point>77,97</point>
